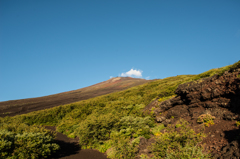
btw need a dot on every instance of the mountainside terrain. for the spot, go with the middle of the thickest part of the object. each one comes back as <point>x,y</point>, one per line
<point>217,99</point>
<point>23,106</point>
<point>186,116</point>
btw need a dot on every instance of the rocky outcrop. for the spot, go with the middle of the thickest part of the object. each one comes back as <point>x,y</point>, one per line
<point>216,95</point>
<point>229,151</point>
<point>210,94</point>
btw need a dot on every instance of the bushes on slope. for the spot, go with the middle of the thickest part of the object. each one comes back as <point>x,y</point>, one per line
<point>26,145</point>
<point>178,143</point>
<point>123,147</point>
<point>95,129</point>
<point>18,140</point>
<point>133,127</point>
<point>124,138</point>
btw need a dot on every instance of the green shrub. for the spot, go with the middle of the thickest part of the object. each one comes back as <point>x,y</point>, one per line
<point>17,127</point>
<point>130,126</point>
<point>6,143</point>
<point>123,147</point>
<point>26,145</point>
<point>207,119</point>
<point>178,144</point>
<point>156,130</point>
<point>105,146</point>
<point>187,152</point>
<point>48,116</point>
<point>237,123</point>
<point>144,156</point>
<point>95,129</point>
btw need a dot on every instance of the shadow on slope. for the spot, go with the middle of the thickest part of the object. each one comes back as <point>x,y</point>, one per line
<point>70,149</point>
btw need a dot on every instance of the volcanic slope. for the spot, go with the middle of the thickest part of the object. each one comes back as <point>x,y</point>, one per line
<point>23,106</point>
<point>211,104</point>
<point>167,118</point>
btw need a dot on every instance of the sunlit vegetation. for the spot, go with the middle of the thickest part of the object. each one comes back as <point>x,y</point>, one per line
<point>181,143</point>
<point>18,140</point>
<point>111,123</point>
<point>238,123</point>
<point>206,119</point>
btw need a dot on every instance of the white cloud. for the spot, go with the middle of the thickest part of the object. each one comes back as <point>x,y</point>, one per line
<point>147,78</point>
<point>132,73</point>
<point>111,77</point>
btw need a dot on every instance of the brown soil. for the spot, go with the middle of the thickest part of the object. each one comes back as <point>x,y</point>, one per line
<point>70,149</point>
<point>218,96</point>
<point>23,106</point>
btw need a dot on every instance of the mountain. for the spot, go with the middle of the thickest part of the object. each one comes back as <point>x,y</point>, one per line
<point>23,106</point>
<point>185,116</point>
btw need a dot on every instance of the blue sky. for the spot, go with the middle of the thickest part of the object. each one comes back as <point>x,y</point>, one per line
<point>52,46</point>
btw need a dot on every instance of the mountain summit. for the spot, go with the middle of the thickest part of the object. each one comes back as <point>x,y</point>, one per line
<point>23,106</point>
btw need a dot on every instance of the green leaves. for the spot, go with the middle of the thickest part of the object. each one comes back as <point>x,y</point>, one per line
<point>123,148</point>
<point>95,129</point>
<point>6,143</point>
<point>181,143</point>
<point>130,126</point>
<point>26,145</point>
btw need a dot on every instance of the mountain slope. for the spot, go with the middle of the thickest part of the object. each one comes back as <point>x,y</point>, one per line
<point>165,118</point>
<point>212,104</point>
<point>23,106</point>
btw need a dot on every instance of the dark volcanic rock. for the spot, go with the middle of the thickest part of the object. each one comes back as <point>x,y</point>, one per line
<point>216,95</point>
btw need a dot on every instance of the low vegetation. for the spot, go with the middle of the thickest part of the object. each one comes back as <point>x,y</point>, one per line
<point>18,140</point>
<point>238,123</point>
<point>206,119</point>
<point>112,123</point>
<point>178,142</point>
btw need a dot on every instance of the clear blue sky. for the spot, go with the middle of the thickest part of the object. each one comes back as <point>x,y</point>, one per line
<point>52,46</point>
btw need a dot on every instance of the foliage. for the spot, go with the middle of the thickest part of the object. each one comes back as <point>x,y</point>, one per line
<point>144,156</point>
<point>237,123</point>
<point>207,119</point>
<point>217,71</point>
<point>26,145</point>
<point>188,152</point>
<point>47,116</point>
<point>181,143</point>
<point>6,143</point>
<point>20,140</point>
<point>165,98</point>
<point>123,147</point>
<point>229,68</point>
<point>156,130</point>
<point>19,128</point>
<point>207,73</point>
<point>105,146</point>
<point>130,126</point>
<point>95,129</point>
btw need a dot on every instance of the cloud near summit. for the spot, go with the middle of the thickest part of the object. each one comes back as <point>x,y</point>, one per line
<point>132,73</point>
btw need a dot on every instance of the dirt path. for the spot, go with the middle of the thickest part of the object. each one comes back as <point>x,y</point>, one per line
<point>70,149</point>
